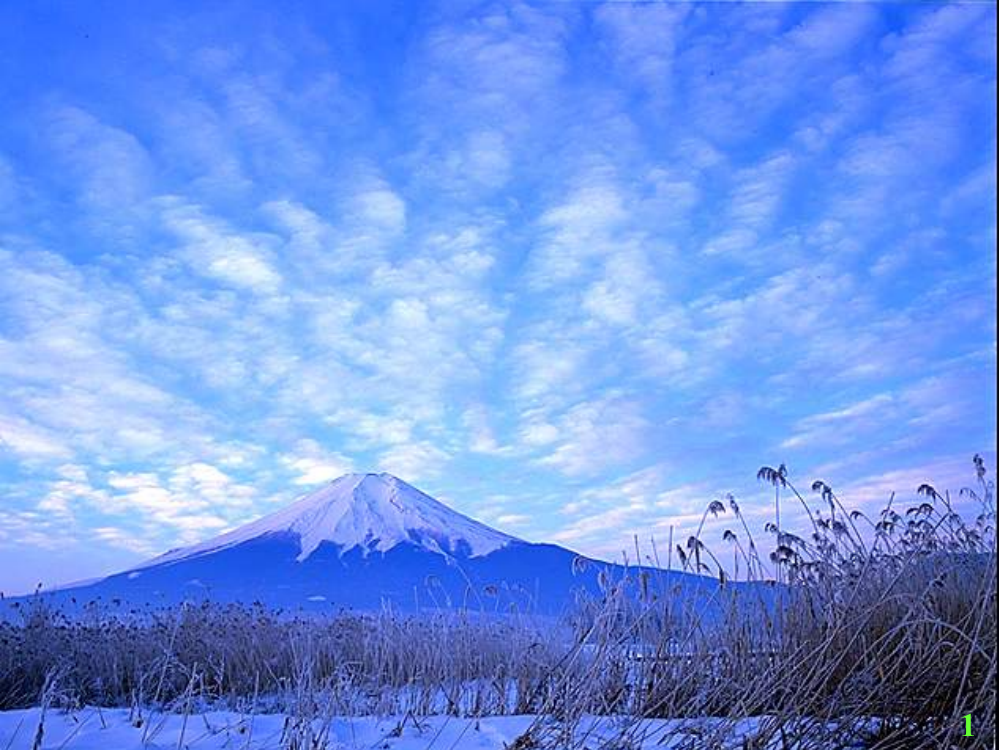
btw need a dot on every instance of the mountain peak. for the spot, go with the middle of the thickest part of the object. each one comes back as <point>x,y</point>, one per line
<point>374,512</point>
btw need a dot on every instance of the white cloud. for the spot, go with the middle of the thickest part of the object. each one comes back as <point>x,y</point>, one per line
<point>486,158</point>
<point>626,282</point>
<point>833,30</point>
<point>495,70</point>
<point>755,200</point>
<point>382,208</point>
<point>601,524</point>
<point>117,537</point>
<point>538,433</point>
<point>186,503</point>
<point>413,461</point>
<point>315,465</point>
<point>113,170</point>
<point>215,251</point>
<point>579,229</point>
<point>29,440</point>
<point>598,434</point>
<point>644,39</point>
<point>843,424</point>
<point>481,436</point>
<point>547,367</point>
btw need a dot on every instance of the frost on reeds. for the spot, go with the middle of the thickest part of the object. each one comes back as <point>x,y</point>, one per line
<point>874,632</point>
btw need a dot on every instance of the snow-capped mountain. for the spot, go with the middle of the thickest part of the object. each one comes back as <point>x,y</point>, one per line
<point>372,512</point>
<point>363,542</point>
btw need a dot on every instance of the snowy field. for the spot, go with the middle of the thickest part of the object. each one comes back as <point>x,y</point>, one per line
<point>116,729</point>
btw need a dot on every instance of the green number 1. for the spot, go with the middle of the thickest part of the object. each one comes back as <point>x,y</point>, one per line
<point>967,726</point>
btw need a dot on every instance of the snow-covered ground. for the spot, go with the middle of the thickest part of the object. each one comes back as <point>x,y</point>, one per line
<point>120,729</point>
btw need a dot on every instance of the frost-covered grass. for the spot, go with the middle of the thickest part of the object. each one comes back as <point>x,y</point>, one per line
<point>883,635</point>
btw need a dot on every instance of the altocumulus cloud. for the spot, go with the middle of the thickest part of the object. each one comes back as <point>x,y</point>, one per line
<point>586,266</point>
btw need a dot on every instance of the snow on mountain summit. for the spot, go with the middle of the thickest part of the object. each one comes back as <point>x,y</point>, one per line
<point>370,511</point>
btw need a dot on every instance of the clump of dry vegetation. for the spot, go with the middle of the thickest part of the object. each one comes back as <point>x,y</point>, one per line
<point>372,664</point>
<point>866,632</point>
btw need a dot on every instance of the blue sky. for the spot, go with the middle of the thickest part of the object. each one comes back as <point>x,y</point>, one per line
<point>577,269</point>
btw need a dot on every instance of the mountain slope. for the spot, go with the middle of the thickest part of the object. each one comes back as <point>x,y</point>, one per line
<point>363,542</point>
